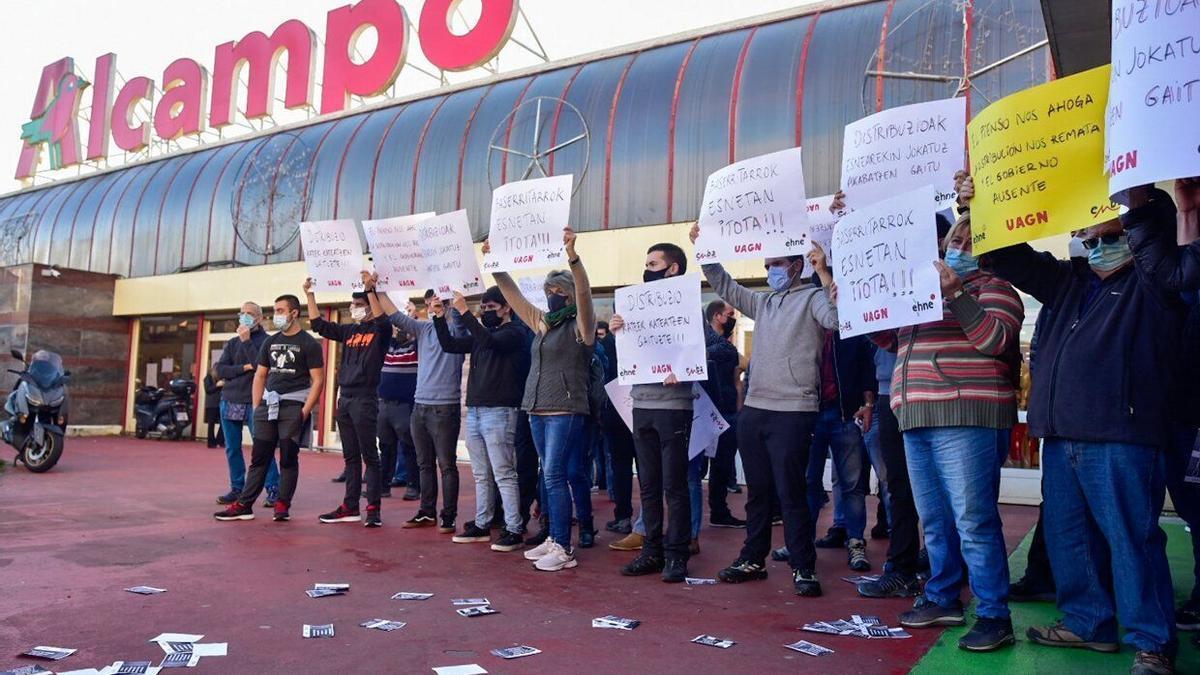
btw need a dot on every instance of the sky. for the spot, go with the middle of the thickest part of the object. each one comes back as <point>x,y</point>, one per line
<point>146,35</point>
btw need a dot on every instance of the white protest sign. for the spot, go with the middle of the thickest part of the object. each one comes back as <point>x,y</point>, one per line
<point>449,255</point>
<point>333,254</point>
<point>821,221</point>
<point>528,218</point>
<point>396,251</point>
<point>901,149</point>
<point>1154,93</point>
<point>534,290</point>
<point>883,265</point>
<point>662,333</point>
<point>754,209</point>
<point>707,423</point>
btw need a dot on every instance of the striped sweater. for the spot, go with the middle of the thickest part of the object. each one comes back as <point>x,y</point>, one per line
<point>960,371</point>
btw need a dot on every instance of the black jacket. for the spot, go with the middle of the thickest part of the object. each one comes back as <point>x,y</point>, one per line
<point>231,367</point>
<point>854,363</point>
<point>1102,375</point>
<point>499,360</point>
<point>722,365</point>
<point>363,347</point>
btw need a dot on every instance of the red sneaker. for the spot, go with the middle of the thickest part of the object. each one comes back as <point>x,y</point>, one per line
<point>343,514</point>
<point>235,511</point>
<point>281,511</point>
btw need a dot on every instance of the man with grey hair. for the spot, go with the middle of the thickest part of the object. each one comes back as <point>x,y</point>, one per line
<point>236,366</point>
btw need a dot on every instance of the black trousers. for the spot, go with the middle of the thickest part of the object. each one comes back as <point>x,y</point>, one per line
<point>721,470</point>
<point>527,467</point>
<point>661,439</point>
<point>620,446</point>
<point>358,421</point>
<point>435,435</point>
<point>284,433</point>
<point>395,437</point>
<point>904,543</point>
<point>774,448</point>
<point>1038,566</point>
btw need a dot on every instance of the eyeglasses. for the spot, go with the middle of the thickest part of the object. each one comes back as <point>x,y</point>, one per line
<point>1109,239</point>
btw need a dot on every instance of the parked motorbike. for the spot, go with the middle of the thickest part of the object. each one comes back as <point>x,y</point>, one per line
<point>164,413</point>
<point>37,410</point>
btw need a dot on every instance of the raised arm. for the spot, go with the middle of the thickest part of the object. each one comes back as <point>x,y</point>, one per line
<point>314,312</point>
<point>991,322</point>
<point>1152,228</point>
<point>452,344</point>
<point>1038,274</point>
<point>585,316</point>
<point>742,298</point>
<point>369,282</point>
<point>530,314</point>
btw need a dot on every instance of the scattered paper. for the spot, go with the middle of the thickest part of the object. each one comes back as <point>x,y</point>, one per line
<point>477,611</point>
<point>323,631</point>
<point>177,637</point>
<point>211,649</point>
<point>177,647</point>
<point>146,590</point>
<point>865,620</point>
<point>322,592</point>
<point>50,653</point>
<point>33,669</point>
<point>713,641</point>
<point>332,587</point>
<point>806,647</point>
<point>383,624</point>
<point>177,660</point>
<point>132,668</point>
<point>859,626</point>
<point>516,652</point>
<point>412,596</point>
<point>611,621</point>
<point>470,669</point>
<point>460,602</point>
<point>694,581</point>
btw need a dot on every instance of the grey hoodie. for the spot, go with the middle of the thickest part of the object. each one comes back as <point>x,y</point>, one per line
<point>439,375</point>
<point>789,337</point>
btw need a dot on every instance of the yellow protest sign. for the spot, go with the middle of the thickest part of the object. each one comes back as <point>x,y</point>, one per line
<point>1037,158</point>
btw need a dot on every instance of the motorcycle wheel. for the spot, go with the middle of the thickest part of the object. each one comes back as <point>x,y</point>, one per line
<point>140,431</point>
<point>173,433</point>
<point>41,460</point>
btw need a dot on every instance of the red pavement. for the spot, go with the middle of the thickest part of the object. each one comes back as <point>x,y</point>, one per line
<point>119,512</point>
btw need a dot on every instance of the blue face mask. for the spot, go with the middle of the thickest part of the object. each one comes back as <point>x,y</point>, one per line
<point>246,320</point>
<point>779,279</point>
<point>1109,257</point>
<point>961,262</point>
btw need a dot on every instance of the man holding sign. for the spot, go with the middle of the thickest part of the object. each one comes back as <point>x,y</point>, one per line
<point>776,423</point>
<point>662,413</point>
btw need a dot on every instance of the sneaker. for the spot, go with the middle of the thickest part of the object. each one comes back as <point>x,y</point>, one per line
<point>1187,618</point>
<point>781,554</point>
<point>1152,663</point>
<point>622,526</point>
<point>235,511</point>
<point>926,613</point>
<point>694,547</point>
<point>228,498</point>
<point>342,514</point>
<point>856,558</point>
<point>411,494</point>
<point>508,541</point>
<point>891,585</point>
<point>419,520</point>
<point>341,478</point>
<point>988,634</point>
<point>272,497</point>
<point>538,539</point>
<point>834,538</point>
<point>742,570</point>
<point>1059,635</point>
<point>472,533</point>
<point>1032,590</point>
<point>632,542</point>
<point>446,526</point>
<point>281,511</point>
<point>880,531</point>
<point>373,519</point>
<point>642,565</point>
<point>726,520</point>
<point>540,550</point>
<point>558,558</point>
<point>806,584</point>
<point>675,571</point>
<point>587,534</point>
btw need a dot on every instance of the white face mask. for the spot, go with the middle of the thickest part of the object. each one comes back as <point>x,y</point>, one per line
<point>281,321</point>
<point>358,313</point>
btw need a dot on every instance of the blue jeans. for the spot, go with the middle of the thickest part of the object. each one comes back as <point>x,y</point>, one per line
<point>844,439</point>
<point>232,429</point>
<point>492,445</point>
<point>1102,502</point>
<point>559,442</point>
<point>956,485</point>
<point>875,455</point>
<point>696,468</point>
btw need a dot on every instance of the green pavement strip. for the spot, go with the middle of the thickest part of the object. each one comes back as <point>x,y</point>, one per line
<point>1026,657</point>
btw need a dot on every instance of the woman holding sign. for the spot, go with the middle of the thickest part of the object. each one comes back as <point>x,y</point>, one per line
<point>556,392</point>
<point>952,392</point>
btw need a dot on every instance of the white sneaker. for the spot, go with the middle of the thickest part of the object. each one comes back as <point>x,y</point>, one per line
<point>557,559</point>
<point>541,550</point>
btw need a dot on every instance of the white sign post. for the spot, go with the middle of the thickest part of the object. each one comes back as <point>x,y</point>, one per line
<point>1154,93</point>
<point>663,332</point>
<point>754,209</point>
<point>396,251</point>
<point>707,422</point>
<point>333,254</point>
<point>883,265</point>
<point>449,255</point>
<point>821,221</point>
<point>528,218</point>
<point>901,149</point>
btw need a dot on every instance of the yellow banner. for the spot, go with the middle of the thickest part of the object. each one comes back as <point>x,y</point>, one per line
<point>1037,158</point>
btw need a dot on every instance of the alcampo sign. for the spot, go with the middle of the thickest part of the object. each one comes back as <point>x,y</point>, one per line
<point>181,110</point>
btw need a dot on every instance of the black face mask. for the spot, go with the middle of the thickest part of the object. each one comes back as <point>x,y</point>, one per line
<point>556,301</point>
<point>490,319</point>
<point>654,275</point>
<point>727,329</point>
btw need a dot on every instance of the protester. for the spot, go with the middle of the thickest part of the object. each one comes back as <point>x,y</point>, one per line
<point>397,387</point>
<point>662,423</point>
<point>212,408</point>
<point>556,391</point>
<point>287,384</point>
<point>237,365</point>
<point>436,416</point>
<point>723,361</point>
<point>775,425</point>
<point>364,342</point>
<point>495,385</point>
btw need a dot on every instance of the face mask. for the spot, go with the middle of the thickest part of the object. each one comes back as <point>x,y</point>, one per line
<point>281,321</point>
<point>246,320</point>
<point>556,301</point>
<point>779,279</point>
<point>358,313</point>
<point>727,329</point>
<point>1108,257</point>
<point>961,262</point>
<point>654,275</point>
<point>490,319</point>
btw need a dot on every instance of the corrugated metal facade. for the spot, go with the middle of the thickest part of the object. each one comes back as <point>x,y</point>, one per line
<point>660,120</point>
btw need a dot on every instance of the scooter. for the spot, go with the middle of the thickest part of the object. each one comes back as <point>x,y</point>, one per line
<point>37,410</point>
<point>162,413</point>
